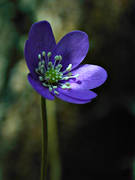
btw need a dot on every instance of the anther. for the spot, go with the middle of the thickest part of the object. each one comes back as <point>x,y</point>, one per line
<point>49,54</point>
<point>60,57</point>
<point>58,67</point>
<point>75,76</point>
<point>42,70</point>
<point>41,78</point>
<point>70,77</point>
<point>50,63</point>
<point>50,89</point>
<point>67,84</point>
<point>44,84</point>
<point>57,58</point>
<point>66,78</point>
<point>43,53</point>
<point>64,86</point>
<point>69,67</point>
<point>39,56</point>
<point>56,92</point>
<point>69,74</point>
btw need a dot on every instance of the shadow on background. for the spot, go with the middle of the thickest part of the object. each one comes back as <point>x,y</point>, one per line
<point>96,140</point>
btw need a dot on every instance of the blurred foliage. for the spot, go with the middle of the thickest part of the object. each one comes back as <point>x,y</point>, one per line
<point>86,141</point>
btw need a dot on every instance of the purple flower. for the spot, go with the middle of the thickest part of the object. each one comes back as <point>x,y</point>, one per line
<point>55,69</point>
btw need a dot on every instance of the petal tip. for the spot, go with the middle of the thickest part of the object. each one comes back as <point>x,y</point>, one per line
<point>104,75</point>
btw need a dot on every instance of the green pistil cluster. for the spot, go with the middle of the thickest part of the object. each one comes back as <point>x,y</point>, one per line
<point>50,74</point>
<point>53,76</point>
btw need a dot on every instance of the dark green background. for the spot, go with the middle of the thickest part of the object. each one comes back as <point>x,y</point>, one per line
<point>90,141</point>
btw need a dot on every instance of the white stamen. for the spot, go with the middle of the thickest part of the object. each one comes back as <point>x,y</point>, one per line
<point>41,78</point>
<point>39,64</point>
<point>64,86</point>
<point>42,70</point>
<point>67,84</point>
<point>69,67</point>
<point>49,54</point>
<point>58,67</point>
<point>57,58</point>
<point>69,74</point>
<point>43,62</point>
<point>39,56</point>
<point>50,73</point>
<point>54,87</point>
<point>50,64</point>
<point>43,53</point>
<point>50,89</point>
<point>44,84</point>
<point>70,77</point>
<point>56,92</point>
<point>60,57</point>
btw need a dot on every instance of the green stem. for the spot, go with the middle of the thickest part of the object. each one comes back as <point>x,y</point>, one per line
<point>44,140</point>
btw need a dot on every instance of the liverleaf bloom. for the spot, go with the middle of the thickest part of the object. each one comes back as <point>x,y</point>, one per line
<point>55,69</point>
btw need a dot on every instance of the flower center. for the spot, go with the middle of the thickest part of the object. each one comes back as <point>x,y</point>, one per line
<point>53,76</point>
<point>50,74</point>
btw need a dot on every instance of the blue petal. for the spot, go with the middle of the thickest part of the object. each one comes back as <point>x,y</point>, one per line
<point>43,91</point>
<point>40,39</point>
<point>90,76</point>
<point>80,96</point>
<point>73,47</point>
<point>72,100</point>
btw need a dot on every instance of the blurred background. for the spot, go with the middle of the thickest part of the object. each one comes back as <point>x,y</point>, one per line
<point>91,141</point>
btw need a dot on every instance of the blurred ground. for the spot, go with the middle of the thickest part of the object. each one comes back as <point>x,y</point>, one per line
<point>92,141</point>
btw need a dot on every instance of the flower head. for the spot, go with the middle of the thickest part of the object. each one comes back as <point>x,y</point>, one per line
<point>55,69</point>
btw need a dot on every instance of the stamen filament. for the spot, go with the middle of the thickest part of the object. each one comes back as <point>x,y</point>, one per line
<point>68,69</point>
<point>70,77</point>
